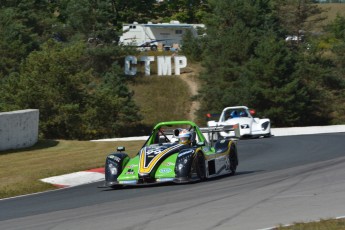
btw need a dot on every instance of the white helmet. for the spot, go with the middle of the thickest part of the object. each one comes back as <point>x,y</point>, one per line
<point>184,137</point>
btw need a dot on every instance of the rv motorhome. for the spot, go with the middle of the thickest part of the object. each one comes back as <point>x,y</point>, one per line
<point>151,36</point>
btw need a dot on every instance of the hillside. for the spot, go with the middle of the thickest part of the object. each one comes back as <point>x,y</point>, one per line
<point>332,9</point>
<point>169,98</point>
<point>163,98</point>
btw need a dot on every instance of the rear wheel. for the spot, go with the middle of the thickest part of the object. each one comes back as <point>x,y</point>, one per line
<point>268,135</point>
<point>153,47</point>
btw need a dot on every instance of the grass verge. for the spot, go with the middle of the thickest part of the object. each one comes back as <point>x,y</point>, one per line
<point>330,224</point>
<point>22,169</point>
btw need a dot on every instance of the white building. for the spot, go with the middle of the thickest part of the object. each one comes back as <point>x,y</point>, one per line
<point>166,35</point>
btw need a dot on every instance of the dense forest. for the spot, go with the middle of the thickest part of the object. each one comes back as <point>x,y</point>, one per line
<point>63,58</point>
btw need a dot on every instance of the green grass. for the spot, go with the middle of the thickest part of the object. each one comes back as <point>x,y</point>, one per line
<point>161,98</point>
<point>21,170</point>
<point>332,9</point>
<point>330,224</point>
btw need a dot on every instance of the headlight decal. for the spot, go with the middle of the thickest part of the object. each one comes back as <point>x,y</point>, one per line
<point>113,170</point>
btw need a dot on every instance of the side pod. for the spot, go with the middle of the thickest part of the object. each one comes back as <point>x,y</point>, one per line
<point>113,167</point>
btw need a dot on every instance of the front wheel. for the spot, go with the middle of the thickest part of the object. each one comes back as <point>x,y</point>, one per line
<point>198,168</point>
<point>233,159</point>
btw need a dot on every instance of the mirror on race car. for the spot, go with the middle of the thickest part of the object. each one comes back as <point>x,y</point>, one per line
<point>252,112</point>
<point>121,148</point>
<point>176,132</point>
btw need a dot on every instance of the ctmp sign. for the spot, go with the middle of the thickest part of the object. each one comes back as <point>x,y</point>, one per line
<point>163,64</point>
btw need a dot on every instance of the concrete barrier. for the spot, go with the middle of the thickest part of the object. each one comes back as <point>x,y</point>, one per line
<point>18,129</point>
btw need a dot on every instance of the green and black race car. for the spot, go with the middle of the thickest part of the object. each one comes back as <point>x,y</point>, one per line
<point>176,151</point>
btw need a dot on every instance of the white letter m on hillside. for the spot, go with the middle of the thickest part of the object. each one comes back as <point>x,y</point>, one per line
<point>164,65</point>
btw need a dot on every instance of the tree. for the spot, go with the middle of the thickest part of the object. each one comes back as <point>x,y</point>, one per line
<point>233,31</point>
<point>186,11</point>
<point>192,46</point>
<point>278,85</point>
<point>56,81</point>
<point>335,40</point>
<point>16,41</point>
<point>297,17</point>
<point>111,109</point>
<point>247,61</point>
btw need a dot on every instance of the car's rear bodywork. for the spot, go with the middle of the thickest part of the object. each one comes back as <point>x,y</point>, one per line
<point>161,159</point>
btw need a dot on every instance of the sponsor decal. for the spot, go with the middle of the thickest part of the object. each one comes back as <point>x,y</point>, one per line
<point>130,172</point>
<point>115,158</point>
<point>128,182</point>
<point>130,166</point>
<point>185,153</point>
<point>227,163</point>
<point>165,179</point>
<point>165,170</point>
<point>169,164</point>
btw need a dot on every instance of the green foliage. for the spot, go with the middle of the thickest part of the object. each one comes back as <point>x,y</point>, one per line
<point>192,47</point>
<point>186,11</point>
<point>337,27</point>
<point>16,41</point>
<point>110,110</point>
<point>62,58</point>
<point>247,62</point>
<point>56,81</point>
<point>232,33</point>
<point>296,15</point>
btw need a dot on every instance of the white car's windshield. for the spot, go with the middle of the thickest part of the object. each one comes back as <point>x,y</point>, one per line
<point>235,113</point>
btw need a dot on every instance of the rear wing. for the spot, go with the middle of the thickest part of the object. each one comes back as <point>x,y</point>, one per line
<point>212,131</point>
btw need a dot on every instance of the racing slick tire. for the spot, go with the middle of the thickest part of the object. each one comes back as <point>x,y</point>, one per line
<point>153,47</point>
<point>198,166</point>
<point>268,135</point>
<point>233,159</point>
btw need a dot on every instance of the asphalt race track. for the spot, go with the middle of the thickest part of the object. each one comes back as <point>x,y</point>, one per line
<point>280,180</point>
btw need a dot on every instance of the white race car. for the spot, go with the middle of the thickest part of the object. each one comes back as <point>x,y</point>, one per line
<point>249,126</point>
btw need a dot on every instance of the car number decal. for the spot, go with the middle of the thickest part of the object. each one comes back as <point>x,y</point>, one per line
<point>146,165</point>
